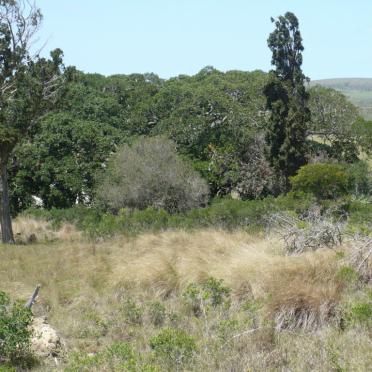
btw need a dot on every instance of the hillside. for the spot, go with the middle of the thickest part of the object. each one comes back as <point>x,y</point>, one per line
<point>358,90</point>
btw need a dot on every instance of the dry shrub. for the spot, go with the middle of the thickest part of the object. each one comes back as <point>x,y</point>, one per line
<point>151,174</point>
<point>307,234</point>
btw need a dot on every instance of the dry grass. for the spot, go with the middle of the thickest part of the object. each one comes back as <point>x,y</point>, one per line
<point>28,230</point>
<point>84,286</point>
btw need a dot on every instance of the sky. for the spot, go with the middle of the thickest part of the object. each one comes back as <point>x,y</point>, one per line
<point>172,37</point>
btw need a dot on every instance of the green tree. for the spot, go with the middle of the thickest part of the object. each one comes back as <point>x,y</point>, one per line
<point>28,86</point>
<point>60,163</point>
<point>286,98</point>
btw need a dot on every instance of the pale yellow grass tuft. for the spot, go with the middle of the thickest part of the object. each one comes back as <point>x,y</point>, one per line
<point>301,291</point>
<point>24,227</point>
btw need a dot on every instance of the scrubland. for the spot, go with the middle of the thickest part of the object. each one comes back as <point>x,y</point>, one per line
<point>207,299</point>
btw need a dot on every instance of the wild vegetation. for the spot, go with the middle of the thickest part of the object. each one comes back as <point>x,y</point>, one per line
<point>217,222</point>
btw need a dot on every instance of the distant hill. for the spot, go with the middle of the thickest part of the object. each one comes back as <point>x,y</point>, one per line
<point>358,90</point>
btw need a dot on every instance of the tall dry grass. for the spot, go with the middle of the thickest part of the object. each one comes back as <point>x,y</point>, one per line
<point>86,286</point>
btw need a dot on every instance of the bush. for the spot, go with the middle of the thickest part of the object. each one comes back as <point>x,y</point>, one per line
<point>360,178</point>
<point>206,296</point>
<point>116,357</point>
<point>157,313</point>
<point>15,333</point>
<point>223,213</point>
<point>173,347</point>
<point>151,174</point>
<point>324,180</point>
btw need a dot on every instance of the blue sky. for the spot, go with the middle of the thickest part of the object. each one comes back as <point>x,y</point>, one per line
<point>172,37</point>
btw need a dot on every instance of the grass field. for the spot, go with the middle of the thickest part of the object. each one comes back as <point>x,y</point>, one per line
<point>271,311</point>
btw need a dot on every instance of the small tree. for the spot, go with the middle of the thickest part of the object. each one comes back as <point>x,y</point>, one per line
<point>324,180</point>
<point>286,98</point>
<point>151,174</point>
<point>28,86</point>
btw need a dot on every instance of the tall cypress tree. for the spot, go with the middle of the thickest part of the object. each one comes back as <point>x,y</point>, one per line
<point>286,98</point>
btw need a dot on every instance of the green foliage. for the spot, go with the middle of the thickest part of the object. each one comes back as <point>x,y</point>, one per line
<point>227,328</point>
<point>222,213</point>
<point>214,118</point>
<point>60,163</point>
<point>286,98</point>
<point>361,312</point>
<point>116,357</point>
<point>15,333</point>
<point>173,348</point>
<point>150,174</point>
<point>132,312</point>
<point>324,180</point>
<point>360,177</point>
<point>360,217</point>
<point>358,311</point>
<point>348,275</point>
<point>206,296</point>
<point>157,313</point>
<point>29,86</point>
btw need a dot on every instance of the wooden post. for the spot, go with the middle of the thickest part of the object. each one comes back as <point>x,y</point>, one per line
<point>32,299</point>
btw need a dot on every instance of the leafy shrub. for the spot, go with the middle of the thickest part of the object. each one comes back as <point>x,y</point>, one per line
<point>205,296</point>
<point>360,217</point>
<point>132,312</point>
<point>157,313</point>
<point>151,174</point>
<point>118,357</point>
<point>226,329</point>
<point>360,178</point>
<point>15,333</point>
<point>359,310</point>
<point>221,213</point>
<point>173,347</point>
<point>324,180</point>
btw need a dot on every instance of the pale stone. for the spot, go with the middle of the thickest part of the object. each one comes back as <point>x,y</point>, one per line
<point>45,340</point>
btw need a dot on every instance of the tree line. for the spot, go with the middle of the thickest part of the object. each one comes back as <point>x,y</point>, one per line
<point>242,132</point>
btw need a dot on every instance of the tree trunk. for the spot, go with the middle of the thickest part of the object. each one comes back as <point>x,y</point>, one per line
<point>5,220</point>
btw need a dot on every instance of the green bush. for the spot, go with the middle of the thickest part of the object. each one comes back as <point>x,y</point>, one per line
<point>116,357</point>
<point>360,178</point>
<point>206,296</point>
<point>324,180</point>
<point>359,312</point>
<point>223,213</point>
<point>151,174</point>
<point>173,348</point>
<point>360,217</point>
<point>15,333</point>
<point>132,312</point>
<point>157,313</point>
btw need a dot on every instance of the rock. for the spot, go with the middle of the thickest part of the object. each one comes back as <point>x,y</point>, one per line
<point>45,340</point>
